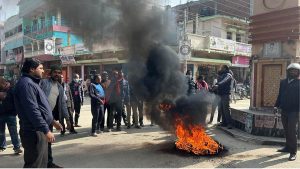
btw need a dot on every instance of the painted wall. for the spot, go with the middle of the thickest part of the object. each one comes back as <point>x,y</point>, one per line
<point>63,35</point>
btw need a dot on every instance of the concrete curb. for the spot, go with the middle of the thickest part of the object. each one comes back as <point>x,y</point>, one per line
<point>243,136</point>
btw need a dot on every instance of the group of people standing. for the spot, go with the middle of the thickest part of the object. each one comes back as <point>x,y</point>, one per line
<point>44,104</point>
<point>117,97</point>
<point>221,87</point>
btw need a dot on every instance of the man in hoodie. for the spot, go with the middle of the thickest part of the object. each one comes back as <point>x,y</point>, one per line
<point>289,102</point>
<point>35,115</point>
<point>55,94</point>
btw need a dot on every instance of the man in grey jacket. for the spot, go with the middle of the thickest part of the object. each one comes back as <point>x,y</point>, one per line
<point>55,94</point>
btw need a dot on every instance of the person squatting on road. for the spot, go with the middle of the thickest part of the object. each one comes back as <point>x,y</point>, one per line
<point>97,104</point>
<point>288,101</point>
<point>56,97</point>
<point>8,116</point>
<point>35,115</point>
<point>78,96</point>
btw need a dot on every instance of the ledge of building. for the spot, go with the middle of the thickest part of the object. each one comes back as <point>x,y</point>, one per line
<point>262,140</point>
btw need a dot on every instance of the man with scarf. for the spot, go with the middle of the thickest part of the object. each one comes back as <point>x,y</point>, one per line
<point>118,95</point>
<point>288,101</point>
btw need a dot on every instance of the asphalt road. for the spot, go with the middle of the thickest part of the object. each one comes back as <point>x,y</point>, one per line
<point>149,147</point>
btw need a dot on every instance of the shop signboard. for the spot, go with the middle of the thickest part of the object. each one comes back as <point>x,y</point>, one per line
<point>185,49</point>
<point>67,59</point>
<point>221,44</point>
<point>243,49</point>
<point>49,47</point>
<point>240,61</point>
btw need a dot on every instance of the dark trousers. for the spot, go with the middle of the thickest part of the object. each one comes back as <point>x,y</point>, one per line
<point>97,112</point>
<point>50,157</point>
<point>117,109</point>
<point>77,107</point>
<point>35,149</point>
<point>71,121</point>
<point>289,122</point>
<point>136,117</point>
<point>106,107</point>
<point>225,110</point>
<point>11,122</point>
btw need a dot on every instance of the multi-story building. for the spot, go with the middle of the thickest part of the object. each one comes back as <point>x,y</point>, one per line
<point>41,22</point>
<point>234,8</point>
<point>13,46</point>
<point>216,38</point>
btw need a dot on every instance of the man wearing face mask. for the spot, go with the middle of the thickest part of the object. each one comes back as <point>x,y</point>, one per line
<point>78,96</point>
<point>288,101</point>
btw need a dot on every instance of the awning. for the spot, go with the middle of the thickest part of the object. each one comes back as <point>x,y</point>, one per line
<point>210,61</point>
<point>105,61</point>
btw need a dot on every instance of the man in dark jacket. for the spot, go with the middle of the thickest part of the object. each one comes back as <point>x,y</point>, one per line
<point>8,117</point>
<point>289,103</point>
<point>192,85</point>
<point>78,96</point>
<point>118,96</point>
<point>224,91</point>
<point>35,115</point>
<point>55,94</point>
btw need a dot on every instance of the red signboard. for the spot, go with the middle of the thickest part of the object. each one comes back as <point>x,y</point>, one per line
<point>240,61</point>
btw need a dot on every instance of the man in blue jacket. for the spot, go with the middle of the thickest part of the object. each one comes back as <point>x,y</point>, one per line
<point>289,103</point>
<point>56,97</point>
<point>35,115</point>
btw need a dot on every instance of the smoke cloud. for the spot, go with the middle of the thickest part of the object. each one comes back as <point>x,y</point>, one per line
<point>153,69</point>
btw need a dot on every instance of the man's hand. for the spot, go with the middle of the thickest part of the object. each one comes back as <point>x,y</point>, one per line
<point>57,125</point>
<point>68,125</point>
<point>2,96</point>
<point>50,137</point>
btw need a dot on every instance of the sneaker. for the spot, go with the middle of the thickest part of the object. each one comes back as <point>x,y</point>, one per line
<point>292,157</point>
<point>2,149</point>
<point>283,150</point>
<point>137,127</point>
<point>18,151</point>
<point>93,135</point>
<point>128,127</point>
<point>73,132</point>
<point>99,132</point>
<point>76,125</point>
<point>52,165</point>
<point>108,130</point>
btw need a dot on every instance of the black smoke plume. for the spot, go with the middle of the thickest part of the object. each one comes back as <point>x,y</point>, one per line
<point>153,69</point>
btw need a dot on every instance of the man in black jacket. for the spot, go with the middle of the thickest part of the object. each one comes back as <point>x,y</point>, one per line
<point>8,117</point>
<point>35,115</point>
<point>78,96</point>
<point>288,101</point>
<point>224,91</point>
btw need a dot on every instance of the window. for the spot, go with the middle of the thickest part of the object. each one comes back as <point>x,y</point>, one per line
<point>238,37</point>
<point>229,35</point>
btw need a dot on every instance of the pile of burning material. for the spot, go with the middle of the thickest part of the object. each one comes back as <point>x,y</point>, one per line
<point>192,138</point>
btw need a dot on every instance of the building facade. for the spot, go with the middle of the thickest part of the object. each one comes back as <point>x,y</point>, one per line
<point>217,37</point>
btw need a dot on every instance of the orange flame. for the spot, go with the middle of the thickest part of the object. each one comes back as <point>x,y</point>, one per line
<point>194,139</point>
<point>165,106</point>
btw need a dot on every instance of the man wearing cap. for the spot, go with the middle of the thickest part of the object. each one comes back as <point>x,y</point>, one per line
<point>288,101</point>
<point>55,94</point>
